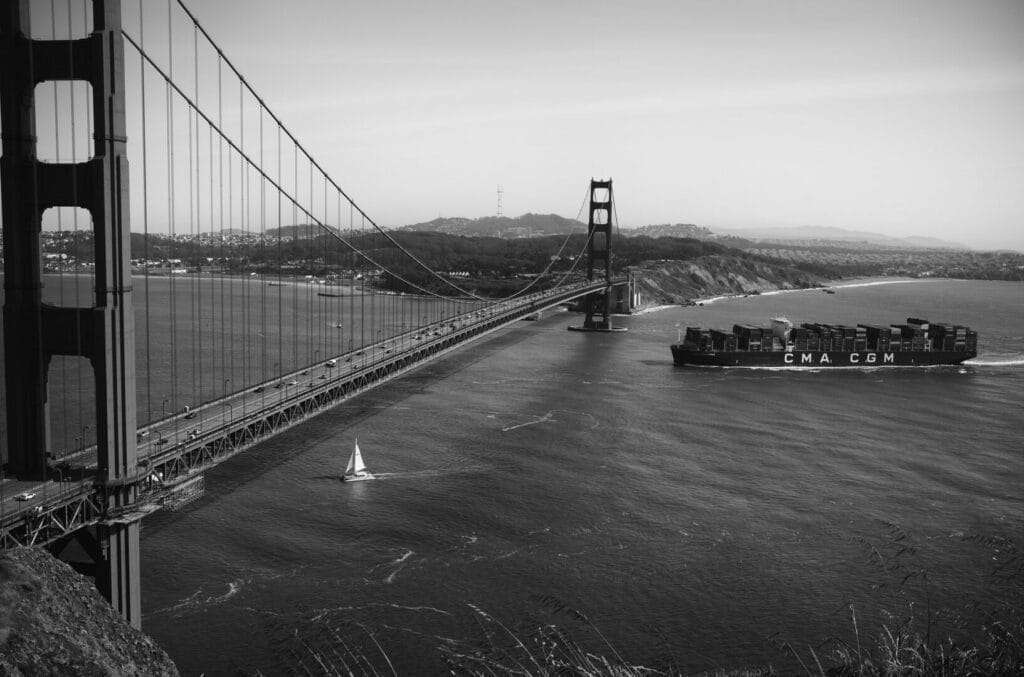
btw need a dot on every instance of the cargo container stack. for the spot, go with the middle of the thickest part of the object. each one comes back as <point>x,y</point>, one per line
<point>895,338</point>
<point>799,337</point>
<point>939,332</point>
<point>813,340</point>
<point>912,337</point>
<point>748,337</point>
<point>700,339</point>
<point>818,336</point>
<point>860,338</point>
<point>846,337</point>
<point>878,336</point>
<point>971,341</point>
<point>723,340</point>
<point>919,323</point>
<point>919,339</point>
<point>827,337</point>
<point>959,338</point>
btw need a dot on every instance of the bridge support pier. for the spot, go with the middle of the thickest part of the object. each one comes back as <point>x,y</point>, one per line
<point>104,333</point>
<point>598,306</point>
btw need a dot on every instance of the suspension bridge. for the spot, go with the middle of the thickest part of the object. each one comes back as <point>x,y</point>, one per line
<point>229,291</point>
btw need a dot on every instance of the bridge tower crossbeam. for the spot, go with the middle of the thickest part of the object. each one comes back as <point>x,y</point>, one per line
<point>103,333</point>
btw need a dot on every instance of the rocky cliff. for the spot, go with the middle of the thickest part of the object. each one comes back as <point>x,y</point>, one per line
<point>54,622</point>
<point>683,282</point>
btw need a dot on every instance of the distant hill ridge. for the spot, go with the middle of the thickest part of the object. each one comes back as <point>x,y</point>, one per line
<point>527,225</point>
<point>804,234</point>
<point>536,225</point>
<point>303,231</point>
<point>539,225</point>
<point>670,230</point>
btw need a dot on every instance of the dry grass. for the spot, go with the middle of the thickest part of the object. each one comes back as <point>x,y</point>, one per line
<point>909,642</point>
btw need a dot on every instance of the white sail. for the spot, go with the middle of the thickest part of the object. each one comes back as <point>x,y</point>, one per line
<point>356,469</point>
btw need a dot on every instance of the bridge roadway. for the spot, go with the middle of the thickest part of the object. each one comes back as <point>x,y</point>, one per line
<point>174,451</point>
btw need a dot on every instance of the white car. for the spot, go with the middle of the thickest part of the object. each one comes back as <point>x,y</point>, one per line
<point>25,496</point>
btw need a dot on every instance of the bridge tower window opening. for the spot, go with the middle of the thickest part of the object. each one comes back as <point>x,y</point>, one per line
<point>63,121</point>
<point>64,21</point>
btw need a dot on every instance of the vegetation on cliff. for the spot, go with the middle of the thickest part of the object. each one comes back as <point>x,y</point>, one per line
<point>682,282</point>
<point>54,622</point>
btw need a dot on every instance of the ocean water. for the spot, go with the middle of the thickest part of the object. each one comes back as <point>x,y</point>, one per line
<point>693,517</point>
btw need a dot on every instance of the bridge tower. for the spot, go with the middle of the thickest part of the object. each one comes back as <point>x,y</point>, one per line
<point>104,333</point>
<point>597,306</point>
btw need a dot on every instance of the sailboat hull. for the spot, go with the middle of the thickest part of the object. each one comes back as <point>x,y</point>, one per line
<point>357,478</point>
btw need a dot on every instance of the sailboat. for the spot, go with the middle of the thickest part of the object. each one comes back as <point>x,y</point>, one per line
<point>356,470</point>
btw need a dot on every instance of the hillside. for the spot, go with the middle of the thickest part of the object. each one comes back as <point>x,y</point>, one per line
<point>54,622</point>
<point>669,230</point>
<point>304,231</point>
<point>527,225</point>
<point>683,282</point>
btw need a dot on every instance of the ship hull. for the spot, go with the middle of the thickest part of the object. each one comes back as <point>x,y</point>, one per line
<point>813,359</point>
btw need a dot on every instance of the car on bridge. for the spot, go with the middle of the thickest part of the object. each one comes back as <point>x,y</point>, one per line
<point>25,496</point>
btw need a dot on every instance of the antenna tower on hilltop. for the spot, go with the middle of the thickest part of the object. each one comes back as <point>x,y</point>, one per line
<point>500,191</point>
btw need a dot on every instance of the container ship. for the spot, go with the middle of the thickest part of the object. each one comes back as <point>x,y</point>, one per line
<point>916,343</point>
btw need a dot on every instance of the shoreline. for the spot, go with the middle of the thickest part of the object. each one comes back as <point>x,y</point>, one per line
<point>856,282</point>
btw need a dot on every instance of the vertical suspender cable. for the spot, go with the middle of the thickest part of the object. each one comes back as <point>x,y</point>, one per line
<point>193,208</point>
<point>145,219</point>
<point>280,261</point>
<point>263,251</point>
<point>170,210</point>
<point>294,339</point>
<point>227,358</point>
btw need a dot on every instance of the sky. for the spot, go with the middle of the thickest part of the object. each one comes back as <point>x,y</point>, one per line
<point>901,117</point>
